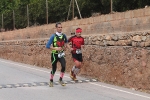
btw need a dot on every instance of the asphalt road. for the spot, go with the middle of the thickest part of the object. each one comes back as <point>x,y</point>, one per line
<point>25,82</point>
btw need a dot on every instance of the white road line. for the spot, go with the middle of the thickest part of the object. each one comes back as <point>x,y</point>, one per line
<point>89,82</point>
<point>31,68</point>
<point>121,90</point>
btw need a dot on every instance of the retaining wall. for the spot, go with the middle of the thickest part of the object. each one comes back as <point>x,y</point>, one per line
<point>117,47</point>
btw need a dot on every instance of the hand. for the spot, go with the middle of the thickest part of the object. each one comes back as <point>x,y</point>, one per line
<point>64,48</point>
<point>58,48</point>
<point>71,49</point>
<point>82,46</point>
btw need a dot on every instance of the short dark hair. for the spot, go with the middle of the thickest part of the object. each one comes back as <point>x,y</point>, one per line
<point>58,23</point>
<point>78,28</point>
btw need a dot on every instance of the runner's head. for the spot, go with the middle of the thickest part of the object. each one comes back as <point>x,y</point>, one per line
<point>58,27</point>
<point>78,32</point>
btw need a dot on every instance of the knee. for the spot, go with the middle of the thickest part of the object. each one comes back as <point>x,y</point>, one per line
<point>53,72</point>
<point>78,65</point>
<point>63,69</point>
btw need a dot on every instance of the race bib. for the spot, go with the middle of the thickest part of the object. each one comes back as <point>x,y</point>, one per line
<point>61,54</point>
<point>78,51</point>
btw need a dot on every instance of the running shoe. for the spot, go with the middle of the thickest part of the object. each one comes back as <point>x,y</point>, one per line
<point>71,75</point>
<point>74,78</point>
<point>51,84</point>
<point>62,83</point>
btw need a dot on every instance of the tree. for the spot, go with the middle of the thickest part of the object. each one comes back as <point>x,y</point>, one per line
<point>58,10</point>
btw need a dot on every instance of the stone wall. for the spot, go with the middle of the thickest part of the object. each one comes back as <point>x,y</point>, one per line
<point>119,59</point>
<point>117,47</point>
<point>134,20</point>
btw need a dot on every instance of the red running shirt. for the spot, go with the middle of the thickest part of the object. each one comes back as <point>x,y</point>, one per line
<point>76,42</point>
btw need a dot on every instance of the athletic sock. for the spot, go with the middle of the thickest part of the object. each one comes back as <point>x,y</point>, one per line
<point>60,79</point>
<point>51,76</point>
<point>61,74</point>
<point>76,71</point>
<point>73,68</point>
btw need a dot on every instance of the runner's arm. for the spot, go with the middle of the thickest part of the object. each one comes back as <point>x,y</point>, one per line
<point>49,44</point>
<point>67,43</point>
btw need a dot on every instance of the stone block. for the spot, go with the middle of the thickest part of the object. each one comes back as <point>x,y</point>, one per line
<point>142,44</point>
<point>119,16</point>
<point>137,38</point>
<point>147,11</point>
<point>77,22</point>
<point>123,29</point>
<point>66,24</point>
<point>137,21</point>
<point>108,37</point>
<point>114,23</point>
<point>110,43</point>
<point>123,43</point>
<point>109,30</point>
<point>121,23</point>
<point>108,17</point>
<point>147,37</point>
<point>101,43</point>
<point>102,18</point>
<point>146,26</point>
<point>147,43</point>
<point>96,19</point>
<point>144,38</point>
<point>145,19</point>
<point>134,44</point>
<point>128,14</point>
<point>106,24</point>
<point>128,22</point>
<point>137,27</point>
<point>129,28</point>
<point>105,31</point>
<point>117,29</point>
<point>138,13</point>
<point>71,23</point>
<point>90,20</point>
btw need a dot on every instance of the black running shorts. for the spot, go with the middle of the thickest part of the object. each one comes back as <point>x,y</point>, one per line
<point>77,57</point>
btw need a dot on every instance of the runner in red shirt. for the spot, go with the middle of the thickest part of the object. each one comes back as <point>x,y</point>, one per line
<point>77,43</point>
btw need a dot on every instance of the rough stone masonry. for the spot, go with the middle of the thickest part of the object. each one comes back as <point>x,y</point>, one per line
<point>115,57</point>
<point>122,60</point>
